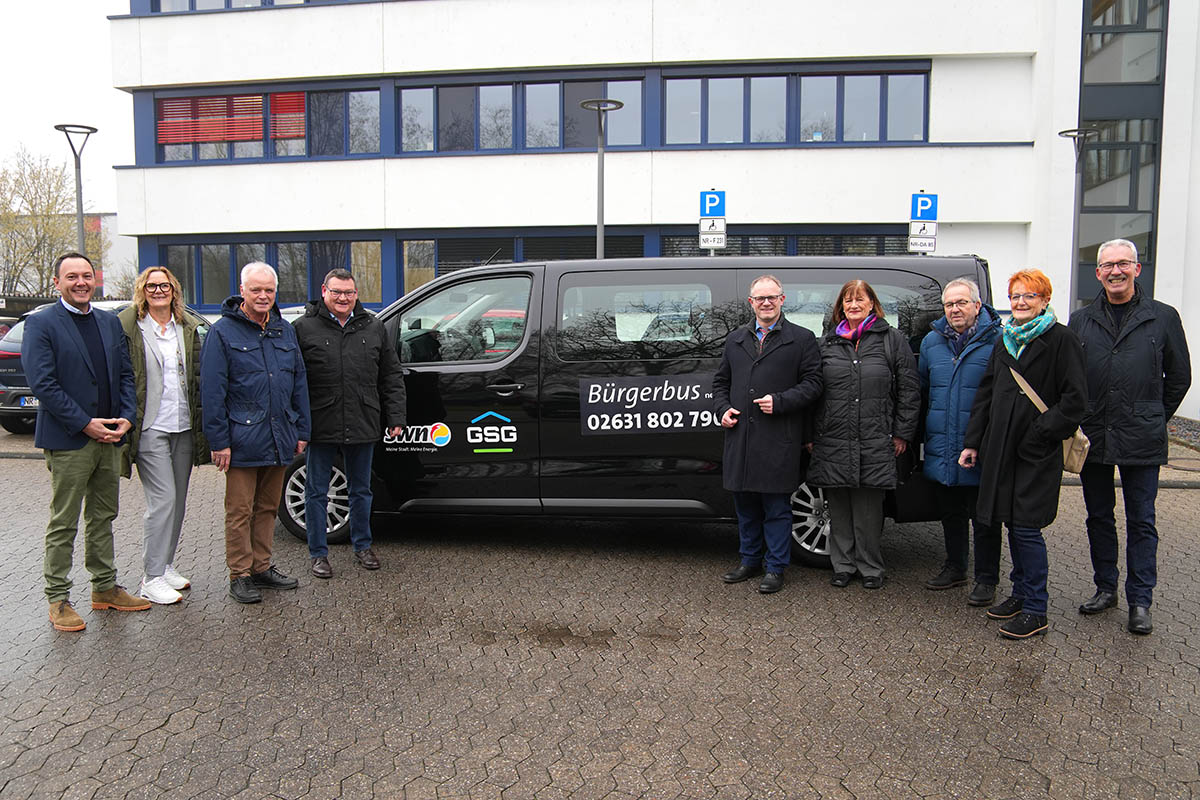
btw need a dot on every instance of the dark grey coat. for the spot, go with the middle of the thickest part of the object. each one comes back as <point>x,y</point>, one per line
<point>867,402</point>
<point>1020,448</point>
<point>763,451</point>
<point>355,383</point>
<point>1137,377</point>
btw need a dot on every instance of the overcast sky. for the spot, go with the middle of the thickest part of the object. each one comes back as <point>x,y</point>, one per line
<point>57,63</point>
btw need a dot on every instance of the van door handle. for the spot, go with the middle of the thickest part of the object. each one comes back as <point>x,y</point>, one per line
<point>505,389</point>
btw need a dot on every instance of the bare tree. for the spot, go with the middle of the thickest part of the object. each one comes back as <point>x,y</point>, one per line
<point>37,224</point>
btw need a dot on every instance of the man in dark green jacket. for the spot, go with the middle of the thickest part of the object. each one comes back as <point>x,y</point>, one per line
<point>355,385</point>
<point>1138,371</point>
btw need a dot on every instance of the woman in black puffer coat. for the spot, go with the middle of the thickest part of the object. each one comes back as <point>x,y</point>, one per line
<point>865,419</point>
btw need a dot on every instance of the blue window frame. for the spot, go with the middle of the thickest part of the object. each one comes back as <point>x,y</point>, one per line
<point>210,271</point>
<point>731,106</point>
<point>319,123</point>
<point>168,6</point>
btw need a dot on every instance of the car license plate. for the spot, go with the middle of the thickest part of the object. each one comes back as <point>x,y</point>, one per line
<point>29,402</point>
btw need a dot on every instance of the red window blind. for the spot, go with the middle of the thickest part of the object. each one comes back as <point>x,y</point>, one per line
<point>287,115</point>
<point>233,118</point>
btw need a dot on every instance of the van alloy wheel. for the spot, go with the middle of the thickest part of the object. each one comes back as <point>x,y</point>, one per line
<point>810,526</point>
<point>291,507</point>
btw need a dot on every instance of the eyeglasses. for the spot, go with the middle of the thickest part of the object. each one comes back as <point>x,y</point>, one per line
<point>765,298</point>
<point>953,304</point>
<point>161,288</point>
<point>1025,296</point>
<point>1124,265</point>
<point>347,293</point>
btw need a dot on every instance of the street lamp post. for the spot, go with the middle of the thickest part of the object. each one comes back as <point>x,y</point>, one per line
<point>1079,137</point>
<point>85,131</point>
<point>601,106</point>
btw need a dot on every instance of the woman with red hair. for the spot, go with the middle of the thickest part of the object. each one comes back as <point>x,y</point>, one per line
<point>1018,449</point>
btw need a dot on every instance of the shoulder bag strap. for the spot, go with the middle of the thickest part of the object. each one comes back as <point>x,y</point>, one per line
<point>1025,387</point>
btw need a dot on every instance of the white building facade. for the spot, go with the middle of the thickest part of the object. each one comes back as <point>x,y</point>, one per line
<point>407,138</point>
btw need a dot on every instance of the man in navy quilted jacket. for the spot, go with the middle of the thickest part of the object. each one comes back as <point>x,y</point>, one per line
<point>953,358</point>
<point>255,395</point>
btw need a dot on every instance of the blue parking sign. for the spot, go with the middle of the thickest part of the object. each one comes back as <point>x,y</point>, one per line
<point>712,204</point>
<point>924,207</point>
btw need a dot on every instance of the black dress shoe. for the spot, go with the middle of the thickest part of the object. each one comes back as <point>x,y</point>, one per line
<point>272,578</point>
<point>984,594</point>
<point>1006,610</point>
<point>772,582</point>
<point>321,568</point>
<point>1023,626</point>
<point>872,581</point>
<point>244,591</point>
<point>1100,601</point>
<point>744,572</point>
<point>840,579</point>
<point>367,558</point>
<point>1139,620</point>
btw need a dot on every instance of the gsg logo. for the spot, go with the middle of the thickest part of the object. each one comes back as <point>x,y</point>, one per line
<point>491,434</point>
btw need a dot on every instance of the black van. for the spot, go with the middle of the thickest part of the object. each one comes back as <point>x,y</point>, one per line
<point>583,388</point>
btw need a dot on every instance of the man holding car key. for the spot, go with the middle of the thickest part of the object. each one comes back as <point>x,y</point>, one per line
<point>770,374</point>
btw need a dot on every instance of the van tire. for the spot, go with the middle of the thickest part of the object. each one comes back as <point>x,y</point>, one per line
<point>810,527</point>
<point>291,503</point>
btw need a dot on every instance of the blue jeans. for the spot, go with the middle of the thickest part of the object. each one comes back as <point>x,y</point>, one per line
<point>356,461</point>
<point>1030,569</point>
<point>764,518</point>
<point>1139,486</point>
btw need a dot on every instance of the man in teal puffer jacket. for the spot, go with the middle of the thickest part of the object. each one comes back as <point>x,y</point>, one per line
<point>954,356</point>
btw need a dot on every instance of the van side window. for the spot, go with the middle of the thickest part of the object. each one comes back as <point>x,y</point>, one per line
<point>909,308</point>
<point>605,318</point>
<point>481,320</point>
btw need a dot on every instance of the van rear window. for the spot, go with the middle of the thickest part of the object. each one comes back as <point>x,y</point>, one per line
<point>601,321</point>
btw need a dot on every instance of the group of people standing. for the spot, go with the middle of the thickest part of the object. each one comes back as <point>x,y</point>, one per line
<point>853,400</point>
<point>142,389</point>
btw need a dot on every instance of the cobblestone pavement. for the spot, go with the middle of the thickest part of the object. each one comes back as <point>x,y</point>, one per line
<point>584,660</point>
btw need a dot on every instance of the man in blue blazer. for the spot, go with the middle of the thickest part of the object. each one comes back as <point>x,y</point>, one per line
<point>78,367</point>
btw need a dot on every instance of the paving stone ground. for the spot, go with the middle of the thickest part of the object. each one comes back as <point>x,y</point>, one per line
<point>499,659</point>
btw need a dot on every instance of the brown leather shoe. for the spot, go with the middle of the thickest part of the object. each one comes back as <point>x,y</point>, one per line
<point>320,567</point>
<point>367,558</point>
<point>64,618</point>
<point>117,599</point>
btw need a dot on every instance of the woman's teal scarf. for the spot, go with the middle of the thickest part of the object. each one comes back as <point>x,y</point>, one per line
<point>1019,334</point>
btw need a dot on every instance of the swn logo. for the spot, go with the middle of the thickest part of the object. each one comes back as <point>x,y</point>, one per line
<point>437,434</point>
<point>492,434</point>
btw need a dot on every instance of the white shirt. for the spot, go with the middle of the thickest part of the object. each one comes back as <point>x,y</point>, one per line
<point>173,416</point>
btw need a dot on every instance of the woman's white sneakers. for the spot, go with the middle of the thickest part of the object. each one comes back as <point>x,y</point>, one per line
<point>175,580</point>
<point>158,590</point>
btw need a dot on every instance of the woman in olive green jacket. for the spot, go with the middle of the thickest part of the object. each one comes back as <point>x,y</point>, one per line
<point>164,346</point>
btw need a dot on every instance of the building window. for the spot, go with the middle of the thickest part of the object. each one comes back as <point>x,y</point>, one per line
<point>298,123</point>
<point>541,115</point>
<point>905,108</point>
<point>768,109</point>
<point>416,120</point>
<point>860,99</point>
<point>161,6</point>
<point>420,263</point>
<point>456,118</point>
<point>818,109</point>
<point>682,111</point>
<point>624,126</point>
<point>366,265</point>
<point>496,117</point>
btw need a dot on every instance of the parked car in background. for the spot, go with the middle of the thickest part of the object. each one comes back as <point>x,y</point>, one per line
<point>18,405</point>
